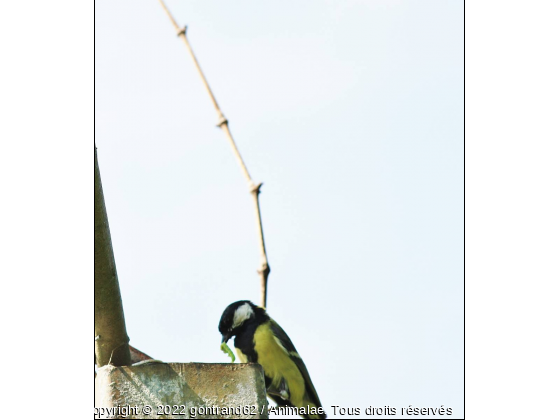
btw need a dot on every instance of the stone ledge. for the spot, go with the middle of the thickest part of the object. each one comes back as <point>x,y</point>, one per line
<point>215,386</point>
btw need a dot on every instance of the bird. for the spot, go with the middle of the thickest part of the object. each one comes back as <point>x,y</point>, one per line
<point>259,339</point>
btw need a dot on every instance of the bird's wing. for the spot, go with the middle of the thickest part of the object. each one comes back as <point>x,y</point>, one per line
<point>295,357</point>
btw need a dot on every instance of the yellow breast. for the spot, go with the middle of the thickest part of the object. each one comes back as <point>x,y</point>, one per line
<point>241,355</point>
<point>277,364</point>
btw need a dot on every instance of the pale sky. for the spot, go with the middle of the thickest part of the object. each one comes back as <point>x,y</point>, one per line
<point>351,113</point>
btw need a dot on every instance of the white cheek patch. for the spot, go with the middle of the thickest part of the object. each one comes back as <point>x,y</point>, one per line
<point>242,314</point>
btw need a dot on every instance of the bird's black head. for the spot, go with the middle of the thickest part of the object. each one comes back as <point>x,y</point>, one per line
<point>237,316</point>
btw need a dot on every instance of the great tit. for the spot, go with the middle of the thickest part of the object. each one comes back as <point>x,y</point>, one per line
<point>259,339</point>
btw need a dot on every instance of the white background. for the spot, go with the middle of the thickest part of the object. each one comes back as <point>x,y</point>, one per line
<point>512,227</point>
<point>352,115</point>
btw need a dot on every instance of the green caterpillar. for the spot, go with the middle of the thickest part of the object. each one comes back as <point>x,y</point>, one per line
<point>224,347</point>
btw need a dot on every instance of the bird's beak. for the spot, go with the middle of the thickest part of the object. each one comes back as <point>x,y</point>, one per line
<point>226,337</point>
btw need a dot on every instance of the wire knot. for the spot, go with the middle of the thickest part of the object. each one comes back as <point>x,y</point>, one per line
<point>255,189</point>
<point>223,120</point>
<point>264,270</point>
<point>182,31</point>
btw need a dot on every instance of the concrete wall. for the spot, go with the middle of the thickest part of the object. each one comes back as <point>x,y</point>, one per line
<point>212,387</point>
